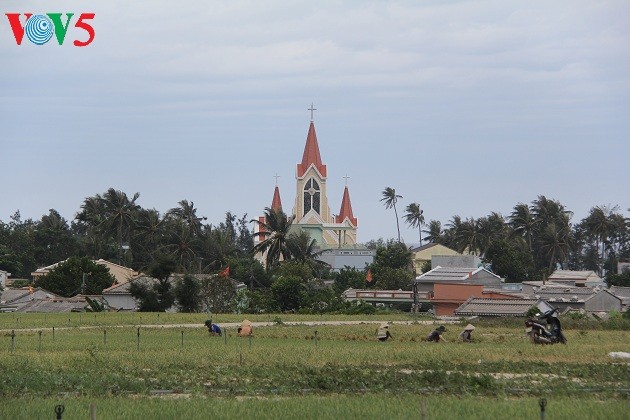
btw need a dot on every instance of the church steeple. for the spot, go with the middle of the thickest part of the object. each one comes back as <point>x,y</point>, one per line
<point>311,155</point>
<point>276,203</point>
<point>346,209</point>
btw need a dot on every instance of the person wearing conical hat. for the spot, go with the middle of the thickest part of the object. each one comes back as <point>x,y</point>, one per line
<point>245,329</point>
<point>383,333</point>
<point>466,335</point>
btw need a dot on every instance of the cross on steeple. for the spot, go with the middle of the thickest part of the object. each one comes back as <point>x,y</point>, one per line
<point>312,109</point>
<point>346,178</point>
<point>276,176</point>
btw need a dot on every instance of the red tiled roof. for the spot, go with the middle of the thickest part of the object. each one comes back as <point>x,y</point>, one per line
<point>346,209</point>
<point>311,154</point>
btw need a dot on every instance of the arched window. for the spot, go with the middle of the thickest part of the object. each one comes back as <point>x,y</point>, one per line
<point>311,196</point>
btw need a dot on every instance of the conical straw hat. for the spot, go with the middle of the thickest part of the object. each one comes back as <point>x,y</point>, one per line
<point>469,327</point>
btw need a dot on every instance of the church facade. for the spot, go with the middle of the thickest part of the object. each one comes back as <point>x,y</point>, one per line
<point>311,210</point>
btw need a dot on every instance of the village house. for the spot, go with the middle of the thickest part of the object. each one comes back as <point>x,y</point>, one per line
<point>120,273</point>
<point>425,253</point>
<point>624,294</point>
<point>14,299</point>
<point>446,298</point>
<point>475,306</point>
<point>586,278</point>
<point>456,275</point>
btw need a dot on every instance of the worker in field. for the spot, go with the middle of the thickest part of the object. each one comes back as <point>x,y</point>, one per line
<point>245,329</point>
<point>213,329</point>
<point>383,333</point>
<point>466,335</point>
<point>436,335</point>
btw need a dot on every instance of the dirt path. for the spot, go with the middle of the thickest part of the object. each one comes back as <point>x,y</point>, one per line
<point>235,325</point>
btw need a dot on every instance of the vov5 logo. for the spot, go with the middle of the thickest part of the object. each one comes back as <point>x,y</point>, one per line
<point>39,29</point>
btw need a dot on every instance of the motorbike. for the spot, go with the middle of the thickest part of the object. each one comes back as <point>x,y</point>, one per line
<point>546,329</point>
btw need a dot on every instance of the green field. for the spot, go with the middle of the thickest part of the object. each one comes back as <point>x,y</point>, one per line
<point>311,371</point>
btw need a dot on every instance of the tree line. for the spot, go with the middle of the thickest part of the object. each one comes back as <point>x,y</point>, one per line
<point>528,244</point>
<point>533,240</point>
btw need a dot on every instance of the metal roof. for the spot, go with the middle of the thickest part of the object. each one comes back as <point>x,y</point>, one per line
<point>496,307</point>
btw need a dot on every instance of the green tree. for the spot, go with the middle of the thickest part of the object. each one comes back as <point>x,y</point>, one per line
<point>388,278</point>
<point>288,293</point>
<point>621,279</point>
<point>67,279</point>
<point>601,226</point>
<point>303,249</point>
<point>390,198</point>
<point>183,247</point>
<point>155,294</point>
<point>88,225</point>
<point>554,245</point>
<point>349,278</point>
<point>119,214</point>
<point>297,269</point>
<point>53,239</point>
<point>523,223</point>
<point>415,218</point>
<point>188,294</point>
<point>393,255</point>
<point>434,232</point>
<point>274,230</point>
<point>218,294</point>
<point>186,214</point>
<point>511,260</point>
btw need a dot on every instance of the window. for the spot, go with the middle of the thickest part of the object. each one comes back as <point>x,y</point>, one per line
<point>311,196</point>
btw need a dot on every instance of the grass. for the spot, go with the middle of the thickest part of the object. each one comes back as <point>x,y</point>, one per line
<point>302,369</point>
<point>374,406</point>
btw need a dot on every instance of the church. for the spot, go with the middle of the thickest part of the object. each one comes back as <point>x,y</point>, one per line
<point>335,233</point>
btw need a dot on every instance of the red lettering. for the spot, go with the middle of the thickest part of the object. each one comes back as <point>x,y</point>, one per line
<point>16,26</point>
<point>87,27</point>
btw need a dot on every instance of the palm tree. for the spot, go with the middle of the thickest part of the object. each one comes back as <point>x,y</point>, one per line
<point>89,220</point>
<point>522,222</point>
<point>555,245</point>
<point>467,236</point>
<point>303,249</point>
<point>119,215</point>
<point>415,218</point>
<point>434,232</point>
<point>220,247</point>
<point>149,233</point>
<point>600,224</point>
<point>183,247</point>
<point>275,230</point>
<point>391,198</point>
<point>187,213</point>
<point>490,229</point>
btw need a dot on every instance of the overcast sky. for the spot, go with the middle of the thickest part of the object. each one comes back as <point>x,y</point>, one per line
<point>466,107</point>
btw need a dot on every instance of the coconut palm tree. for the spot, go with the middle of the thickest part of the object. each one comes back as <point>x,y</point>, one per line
<point>600,225</point>
<point>555,245</point>
<point>89,220</point>
<point>467,236</point>
<point>434,231</point>
<point>148,234</point>
<point>303,249</point>
<point>274,230</point>
<point>415,218</point>
<point>390,198</point>
<point>119,215</point>
<point>522,222</point>
<point>187,214</point>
